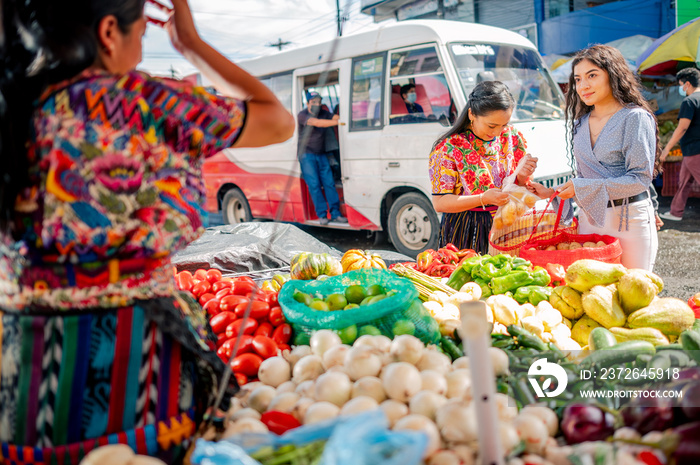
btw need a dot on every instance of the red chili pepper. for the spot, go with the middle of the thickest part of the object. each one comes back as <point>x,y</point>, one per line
<point>448,256</point>
<point>557,273</point>
<point>430,270</point>
<point>466,253</point>
<point>452,247</point>
<point>424,259</point>
<point>279,422</point>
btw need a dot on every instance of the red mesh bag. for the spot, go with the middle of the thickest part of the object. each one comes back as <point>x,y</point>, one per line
<point>609,253</point>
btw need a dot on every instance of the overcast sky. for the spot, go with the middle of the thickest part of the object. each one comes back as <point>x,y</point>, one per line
<point>242,29</point>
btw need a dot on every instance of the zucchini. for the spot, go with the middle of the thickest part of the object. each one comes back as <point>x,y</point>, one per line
<point>690,341</point>
<point>601,338</point>
<point>642,360</point>
<point>674,346</point>
<point>661,360</point>
<point>678,358</point>
<point>696,325</point>
<point>619,353</point>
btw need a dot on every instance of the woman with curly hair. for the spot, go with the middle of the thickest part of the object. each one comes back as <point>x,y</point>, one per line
<point>614,139</point>
<point>100,186</point>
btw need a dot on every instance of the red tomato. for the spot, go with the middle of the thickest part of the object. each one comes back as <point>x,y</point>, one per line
<point>201,288</point>
<point>184,281</point>
<point>248,364</point>
<point>264,346</point>
<point>220,339</point>
<point>229,302</point>
<point>265,329</point>
<point>276,316</point>
<point>221,284</point>
<point>201,274</point>
<point>246,279</point>
<point>212,306</point>
<point>272,299</point>
<point>213,275</point>
<point>283,347</point>
<point>241,287</point>
<point>206,297</point>
<point>258,309</point>
<point>234,329</point>
<point>222,293</point>
<point>282,334</point>
<point>241,379</point>
<point>246,345</point>
<point>220,321</point>
<point>279,422</point>
<point>221,353</point>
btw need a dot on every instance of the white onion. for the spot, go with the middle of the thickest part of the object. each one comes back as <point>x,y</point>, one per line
<point>407,348</point>
<point>287,386</point>
<point>379,342</point>
<point>507,411</point>
<point>457,422</point>
<point>533,431</point>
<point>358,405</point>
<point>499,361</point>
<point>247,390</point>
<point>401,381</point>
<point>369,386</point>
<point>245,425</point>
<point>461,362</point>
<point>333,387</point>
<point>299,409</point>
<point>323,340</point>
<point>431,380</point>
<point>421,423</point>
<point>306,389</point>
<point>426,403</point>
<point>308,368</point>
<point>362,361</point>
<point>465,453</point>
<point>246,413</point>
<point>284,402</point>
<point>434,360</point>
<point>320,411</point>
<point>550,419</point>
<point>509,436</point>
<point>297,354</point>
<point>394,410</point>
<point>274,371</point>
<point>261,398</point>
<point>335,356</point>
<point>444,457</point>
<point>458,383</point>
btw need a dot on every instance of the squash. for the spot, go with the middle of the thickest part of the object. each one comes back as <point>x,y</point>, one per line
<point>356,259</point>
<point>307,265</point>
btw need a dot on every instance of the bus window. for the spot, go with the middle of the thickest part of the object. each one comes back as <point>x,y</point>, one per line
<point>281,85</point>
<point>521,69</point>
<point>366,98</point>
<point>419,91</point>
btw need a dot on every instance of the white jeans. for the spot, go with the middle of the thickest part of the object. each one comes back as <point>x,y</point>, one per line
<point>640,243</point>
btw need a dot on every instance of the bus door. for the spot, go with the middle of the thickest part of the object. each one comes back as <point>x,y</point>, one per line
<point>420,108</point>
<point>328,80</point>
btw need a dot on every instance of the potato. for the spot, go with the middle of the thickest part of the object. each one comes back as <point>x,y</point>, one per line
<point>589,244</point>
<point>563,246</point>
<point>574,246</point>
<point>551,247</point>
<point>508,213</point>
<point>530,200</point>
<point>600,244</point>
<point>498,222</point>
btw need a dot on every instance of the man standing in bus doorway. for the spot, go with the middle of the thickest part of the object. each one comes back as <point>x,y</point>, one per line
<point>688,133</point>
<point>315,168</point>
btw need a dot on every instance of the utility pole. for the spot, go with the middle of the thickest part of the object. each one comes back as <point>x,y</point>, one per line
<point>279,44</point>
<point>338,18</point>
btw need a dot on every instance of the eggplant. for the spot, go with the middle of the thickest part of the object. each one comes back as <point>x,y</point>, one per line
<point>690,403</point>
<point>688,450</point>
<point>583,422</point>
<point>689,373</point>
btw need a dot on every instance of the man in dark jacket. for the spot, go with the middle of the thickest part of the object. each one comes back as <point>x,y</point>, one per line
<point>315,168</point>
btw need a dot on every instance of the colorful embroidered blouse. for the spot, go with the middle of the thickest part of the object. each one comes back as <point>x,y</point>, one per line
<point>465,165</point>
<point>115,166</point>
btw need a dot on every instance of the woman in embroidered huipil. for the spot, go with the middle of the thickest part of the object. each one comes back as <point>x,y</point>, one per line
<point>469,163</point>
<point>615,148</point>
<point>97,345</point>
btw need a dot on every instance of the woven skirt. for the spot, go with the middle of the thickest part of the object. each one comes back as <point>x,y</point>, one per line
<point>467,230</point>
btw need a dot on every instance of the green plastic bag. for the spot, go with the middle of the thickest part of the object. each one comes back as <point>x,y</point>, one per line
<point>401,313</point>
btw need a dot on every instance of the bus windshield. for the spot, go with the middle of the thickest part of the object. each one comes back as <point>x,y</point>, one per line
<point>521,69</point>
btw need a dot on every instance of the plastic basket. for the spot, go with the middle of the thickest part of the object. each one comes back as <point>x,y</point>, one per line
<point>610,253</point>
<point>671,176</point>
<point>534,225</point>
<point>403,306</point>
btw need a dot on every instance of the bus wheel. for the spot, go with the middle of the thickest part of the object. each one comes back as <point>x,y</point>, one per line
<point>413,224</point>
<point>235,207</point>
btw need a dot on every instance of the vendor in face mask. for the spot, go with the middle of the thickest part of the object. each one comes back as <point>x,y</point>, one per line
<point>408,94</point>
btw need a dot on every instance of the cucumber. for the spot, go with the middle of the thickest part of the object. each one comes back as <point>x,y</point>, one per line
<point>678,358</point>
<point>696,325</point>
<point>450,348</point>
<point>601,338</point>
<point>642,360</point>
<point>619,353</point>
<point>660,361</point>
<point>674,346</point>
<point>690,340</point>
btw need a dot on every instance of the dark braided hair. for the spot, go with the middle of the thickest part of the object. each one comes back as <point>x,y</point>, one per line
<point>625,88</point>
<point>43,42</point>
<point>486,97</point>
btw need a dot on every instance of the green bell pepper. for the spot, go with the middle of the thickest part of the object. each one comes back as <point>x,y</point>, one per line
<point>485,289</point>
<point>521,264</point>
<point>489,271</point>
<point>539,294</point>
<point>522,295</point>
<point>510,282</point>
<point>540,276</point>
<point>459,277</point>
